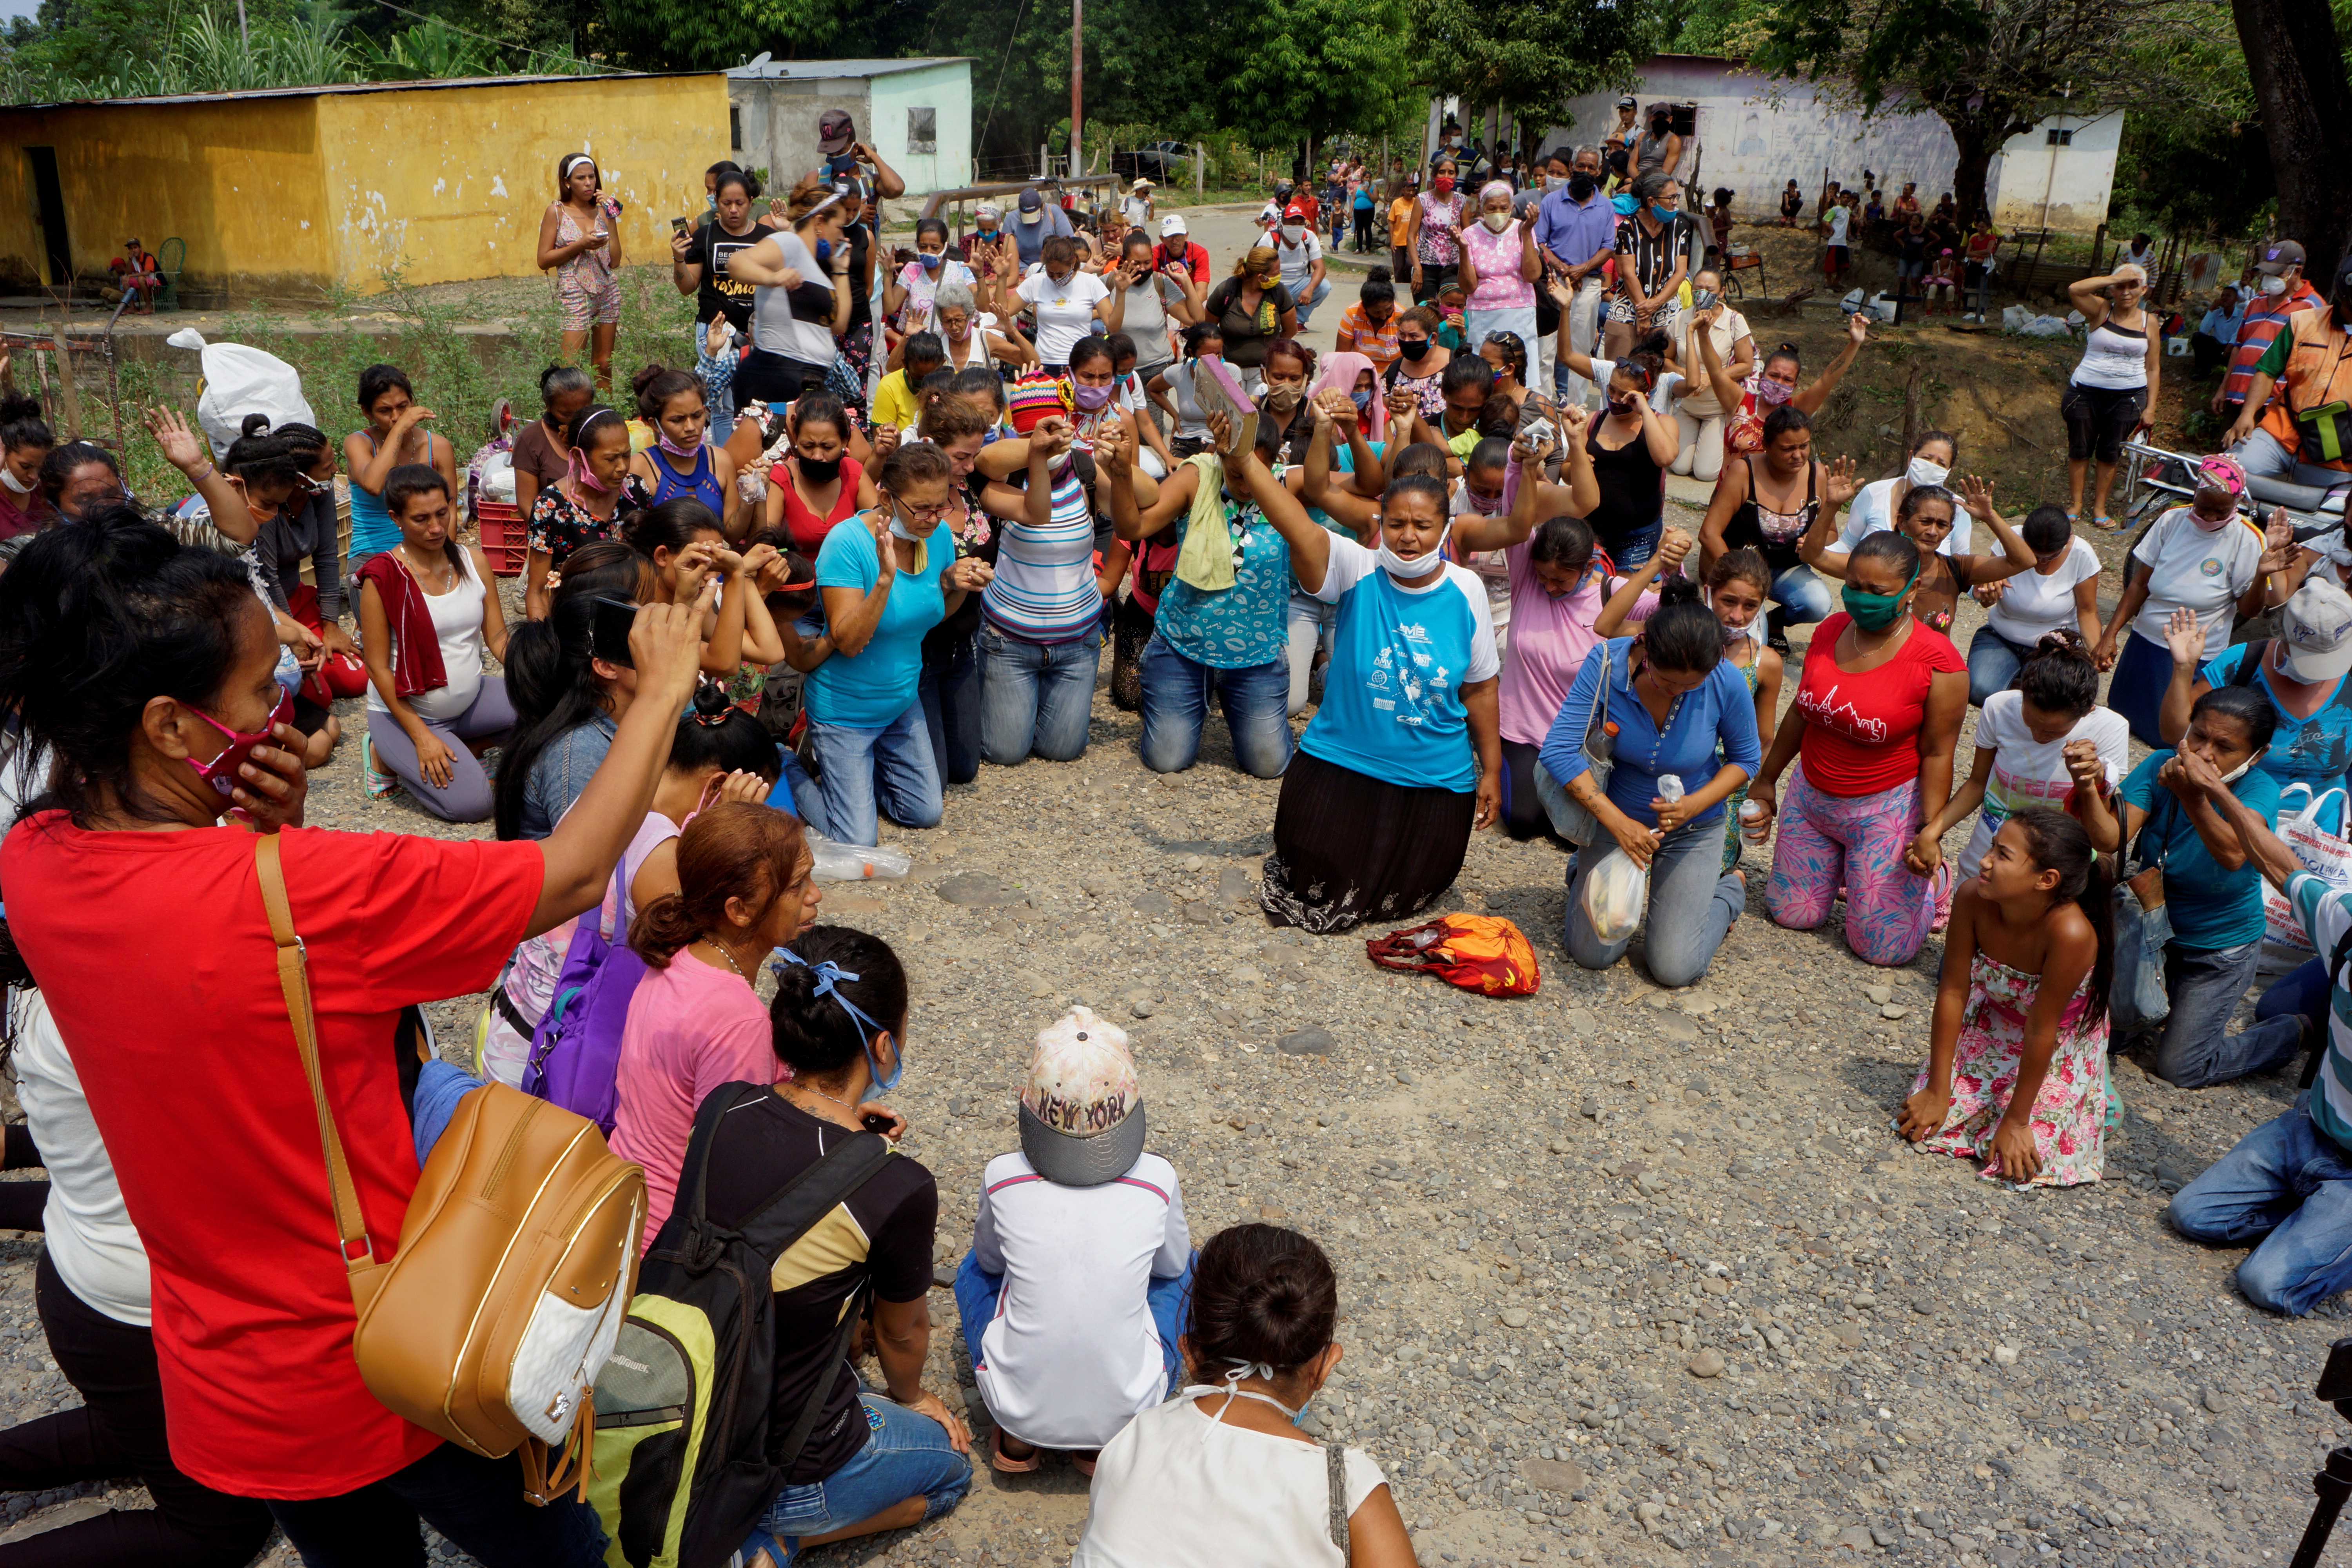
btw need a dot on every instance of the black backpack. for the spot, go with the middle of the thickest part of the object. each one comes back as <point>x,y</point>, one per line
<point>682,1467</point>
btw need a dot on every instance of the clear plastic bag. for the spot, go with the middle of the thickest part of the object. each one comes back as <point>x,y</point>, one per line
<point>1615,896</point>
<point>849,863</point>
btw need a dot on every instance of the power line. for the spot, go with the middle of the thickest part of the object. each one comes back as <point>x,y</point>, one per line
<point>1009,40</point>
<point>501,43</point>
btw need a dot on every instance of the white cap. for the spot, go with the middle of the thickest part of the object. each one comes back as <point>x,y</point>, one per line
<point>2315,626</point>
<point>1173,224</point>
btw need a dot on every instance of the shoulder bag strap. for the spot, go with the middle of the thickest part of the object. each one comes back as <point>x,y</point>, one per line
<point>2250,663</point>
<point>1335,1469</point>
<point>352,1242</point>
<point>797,1439</point>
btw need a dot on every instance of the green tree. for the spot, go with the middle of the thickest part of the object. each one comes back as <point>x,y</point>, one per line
<point>1297,68</point>
<point>2295,52</point>
<point>1530,55</point>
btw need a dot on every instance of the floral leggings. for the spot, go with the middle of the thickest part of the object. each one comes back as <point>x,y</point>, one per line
<point>1824,842</point>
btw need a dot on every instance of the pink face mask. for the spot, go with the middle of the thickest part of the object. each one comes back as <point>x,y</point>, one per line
<point>2211,524</point>
<point>221,772</point>
<point>586,478</point>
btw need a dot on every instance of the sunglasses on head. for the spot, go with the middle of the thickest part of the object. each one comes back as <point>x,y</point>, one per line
<point>1635,369</point>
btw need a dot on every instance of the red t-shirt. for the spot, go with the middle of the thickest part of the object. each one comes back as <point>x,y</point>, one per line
<point>1192,255</point>
<point>807,529</point>
<point>153,954</point>
<point>1861,730</point>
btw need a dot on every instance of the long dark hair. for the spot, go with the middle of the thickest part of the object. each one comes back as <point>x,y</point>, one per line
<point>1682,634</point>
<point>553,686</point>
<point>2059,843</point>
<point>814,1036</point>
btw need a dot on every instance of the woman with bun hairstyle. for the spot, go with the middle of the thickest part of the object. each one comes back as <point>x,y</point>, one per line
<point>542,448</point>
<point>580,242</point>
<point>25,440</point>
<point>306,533</point>
<point>680,462</point>
<point>800,295</point>
<point>1222,1477</point>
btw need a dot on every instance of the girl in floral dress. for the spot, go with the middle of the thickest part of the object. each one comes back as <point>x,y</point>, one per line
<point>2022,1007</point>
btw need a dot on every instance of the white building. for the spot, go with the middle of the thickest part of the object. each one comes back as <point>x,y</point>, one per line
<point>1754,133</point>
<point>916,113</point>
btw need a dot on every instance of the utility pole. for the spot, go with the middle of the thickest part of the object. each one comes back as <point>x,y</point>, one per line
<point>244,36</point>
<point>1077,78</point>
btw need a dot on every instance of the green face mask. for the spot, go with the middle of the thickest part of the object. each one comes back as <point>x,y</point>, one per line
<point>1874,611</point>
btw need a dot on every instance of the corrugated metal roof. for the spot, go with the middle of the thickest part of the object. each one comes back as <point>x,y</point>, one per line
<point>804,70</point>
<point>324,89</point>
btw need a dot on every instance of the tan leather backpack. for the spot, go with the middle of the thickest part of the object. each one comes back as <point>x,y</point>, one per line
<point>515,1266</point>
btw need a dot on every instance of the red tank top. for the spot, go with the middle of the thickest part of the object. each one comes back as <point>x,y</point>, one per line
<point>807,529</point>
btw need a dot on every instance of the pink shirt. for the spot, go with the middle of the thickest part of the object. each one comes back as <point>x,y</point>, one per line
<point>691,1027</point>
<point>1497,257</point>
<point>1549,638</point>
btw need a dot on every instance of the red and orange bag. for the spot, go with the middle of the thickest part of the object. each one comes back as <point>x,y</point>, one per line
<point>1478,952</point>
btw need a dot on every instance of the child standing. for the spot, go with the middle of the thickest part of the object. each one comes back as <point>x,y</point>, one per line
<point>1072,1294</point>
<point>2017,1067</point>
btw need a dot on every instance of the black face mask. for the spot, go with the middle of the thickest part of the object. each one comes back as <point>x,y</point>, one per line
<point>819,473</point>
<point>1659,127</point>
<point>1581,186</point>
<point>1413,351</point>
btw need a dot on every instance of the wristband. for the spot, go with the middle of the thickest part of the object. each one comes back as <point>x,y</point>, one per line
<point>199,476</point>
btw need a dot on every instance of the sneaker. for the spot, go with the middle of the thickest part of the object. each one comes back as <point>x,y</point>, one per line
<point>377,784</point>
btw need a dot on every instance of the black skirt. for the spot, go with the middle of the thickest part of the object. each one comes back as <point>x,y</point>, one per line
<point>1348,848</point>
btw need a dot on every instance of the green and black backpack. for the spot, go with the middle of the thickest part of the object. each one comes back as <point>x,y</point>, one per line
<point>683,1468</point>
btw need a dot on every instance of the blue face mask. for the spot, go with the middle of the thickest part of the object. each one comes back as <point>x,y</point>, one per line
<point>1664,215</point>
<point>824,251</point>
<point>829,975</point>
<point>931,259</point>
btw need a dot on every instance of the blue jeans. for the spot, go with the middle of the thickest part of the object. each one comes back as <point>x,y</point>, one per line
<point>2264,456</point>
<point>977,1292</point>
<point>863,770</point>
<point>950,699</point>
<point>1306,304</point>
<point>1803,599</point>
<point>2193,1052</point>
<point>477,1503</point>
<point>1036,696</point>
<point>2290,1184</point>
<point>1176,692</point>
<point>1993,663</point>
<point>1635,547</point>
<point>795,791</point>
<point>2300,992</point>
<point>906,1455</point>
<point>1692,901</point>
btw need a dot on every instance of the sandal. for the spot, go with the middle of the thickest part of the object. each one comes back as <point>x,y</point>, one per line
<point>1000,1461</point>
<point>377,784</point>
<point>1084,1463</point>
<point>2105,523</point>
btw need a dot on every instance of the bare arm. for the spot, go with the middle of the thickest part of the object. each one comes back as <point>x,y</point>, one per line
<point>854,614</point>
<point>1812,397</point>
<point>1610,621</point>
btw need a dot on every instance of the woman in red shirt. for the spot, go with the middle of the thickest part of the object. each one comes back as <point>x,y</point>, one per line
<point>1876,717</point>
<point>818,483</point>
<point>148,667</point>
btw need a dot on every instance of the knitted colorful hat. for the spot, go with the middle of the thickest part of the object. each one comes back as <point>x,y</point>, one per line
<point>1033,400</point>
<point>1081,1109</point>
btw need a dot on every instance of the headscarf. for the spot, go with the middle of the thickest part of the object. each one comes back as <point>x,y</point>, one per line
<point>1340,373</point>
<point>2220,472</point>
<point>1494,188</point>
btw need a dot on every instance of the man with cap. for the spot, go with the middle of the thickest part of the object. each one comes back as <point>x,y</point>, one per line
<point>2303,672</point>
<point>1576,230</point>
<point>836,139</point>
<point>1073,1294</point>
<point>1300,251</point>
<point>1037,220</point>
<point>2303,435</point>
<point>1176,249</point>
<point>2281,291</point>
<point>1612,146</point>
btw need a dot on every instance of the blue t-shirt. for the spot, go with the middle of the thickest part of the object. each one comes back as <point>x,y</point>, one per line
<point>1719,711</point>
<point>1236,628</point>
<point>869,689</point>
<point>1343,462</point>
<point>1393,698</point>
<point>2315,751</point>
<point>2210,907</point>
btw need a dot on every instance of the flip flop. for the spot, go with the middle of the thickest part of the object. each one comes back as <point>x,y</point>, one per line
<point>1000,1461</point>
<point>2107,522</point>
<point>1086,1462</point>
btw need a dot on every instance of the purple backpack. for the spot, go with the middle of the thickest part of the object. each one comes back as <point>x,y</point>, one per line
<point>575,1052</point>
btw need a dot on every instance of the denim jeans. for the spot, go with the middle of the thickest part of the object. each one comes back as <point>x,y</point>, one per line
<point>1993,663</point>
<point>1312,623</point>
<point>2289,1185</point>
<point>1307,302</point>
<point>477,1503</point>
<point>1692,901</point>
<point>2300,992</point>
<point>1176,692</point>
<point>1035,697</point>
<point>861,771</point>
<point>906,1455</point>
<point>1803,599</point>
<point>2193,1052</point>
<point>950,699</point>
<point>2264,456</point>
<point>794,790</point>
<point>977,1292</point>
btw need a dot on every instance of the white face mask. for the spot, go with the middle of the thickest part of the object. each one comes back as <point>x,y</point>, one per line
<point>2273,287</point>
<point>1292,233</point>
<point>2234,774</point>
<point>1496,222</point>
<point>1419,566</point>
<point>17,486</point>
<point>1922,473</point>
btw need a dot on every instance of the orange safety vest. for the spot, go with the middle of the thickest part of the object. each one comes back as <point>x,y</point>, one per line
<point>2318,372</point>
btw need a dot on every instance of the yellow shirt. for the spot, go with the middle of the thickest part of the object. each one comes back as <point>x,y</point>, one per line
<point>893,402</point>
<point>1400,221</point>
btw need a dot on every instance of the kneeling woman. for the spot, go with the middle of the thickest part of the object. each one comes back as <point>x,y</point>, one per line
<point>1672,700</point>
<point>1405,756</point>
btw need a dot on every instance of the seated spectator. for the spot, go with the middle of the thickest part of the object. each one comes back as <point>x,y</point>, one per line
<point>744,889</point>
<point>839,1029</point>
<point>1223,1477</point>
<point>428,610</point>
<point>2216,332</point>
<point>2061,594</point>
<point>2302,672</point>
<point>2016,1073</point>
<point>25,441</point>
<point>1072,1294</point>
<point>137,276</point>
<point>305,532</point>
<point>2210,891</point>
<point>681,461</point>
<point>581,508</point>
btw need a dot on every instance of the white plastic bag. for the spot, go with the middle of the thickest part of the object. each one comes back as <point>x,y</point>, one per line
<point>238,381</point>
<point>2014,317</point>
<point>838,862</point>
<point>1615,896</point>
<point>2315,833</point>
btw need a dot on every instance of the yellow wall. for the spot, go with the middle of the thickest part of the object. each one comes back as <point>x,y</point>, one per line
<point>237,179</point>
<point>451,182</point>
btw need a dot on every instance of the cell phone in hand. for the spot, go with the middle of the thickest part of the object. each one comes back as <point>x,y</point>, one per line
<point>608,637</point>
<point>874,1121</point>
<point>679,226</point>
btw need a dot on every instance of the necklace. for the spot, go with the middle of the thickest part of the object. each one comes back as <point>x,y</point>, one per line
<point>444,573</point>
<point>720,948</point>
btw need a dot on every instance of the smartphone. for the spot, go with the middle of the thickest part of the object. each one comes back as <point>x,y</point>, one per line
<point>608,637</point>
<point>677,226</point>
<point>874,1121</point>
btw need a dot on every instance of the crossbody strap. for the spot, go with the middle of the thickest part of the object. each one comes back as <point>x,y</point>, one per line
<point>797,1439</point>
<point>352,1242</point>
<point>1335,1471</point>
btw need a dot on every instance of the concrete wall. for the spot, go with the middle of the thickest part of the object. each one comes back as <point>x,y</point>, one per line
<point>946,89</point>
<point>474,170</point>
<point>779,117</point>
<point>1757,133</point>
<point>236,179</point>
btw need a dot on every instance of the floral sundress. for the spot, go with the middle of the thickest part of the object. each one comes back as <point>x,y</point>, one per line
<point>2070,1115</point>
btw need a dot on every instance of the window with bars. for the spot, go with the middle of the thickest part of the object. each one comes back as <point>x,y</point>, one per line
<point>922,131</point>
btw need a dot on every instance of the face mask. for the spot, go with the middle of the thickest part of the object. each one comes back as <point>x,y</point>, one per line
<point>1496,222</point>
<point>1363,401</point>
<point>2212,524</point>
<point>1623,407</point>
<point>1773,394</point>
<point>1581,186</point>
<point>674,449</point>
<point>711,201</point>
<point>1292,233</point>
<point>1419,566</point>
<point>1554,181</point>
<point>1413,351</point>
<point>1283,399</point>
<point>1622,205</point>
<point>1874,611</point>
<point>221,772</point>
<point>931,260</point>
<point>988,235</point>
<point>17,486</point>
<point>1660,127</point>
<point>1922,473</point>
<point>1090,398</point>
<point>1442,185</point>
<point>824,251</point>
<point>1664,215</point>
<point>2234,774</point>
<point>820,471</point>
<point>1704,298</point>
<point>586,477</point>
<point>1485,506</point>
<point>2273,287</point>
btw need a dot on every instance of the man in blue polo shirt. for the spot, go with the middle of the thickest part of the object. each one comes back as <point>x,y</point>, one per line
<point>1576,230</point>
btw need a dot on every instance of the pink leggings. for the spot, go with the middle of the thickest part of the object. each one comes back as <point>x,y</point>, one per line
<point>1824,842</point>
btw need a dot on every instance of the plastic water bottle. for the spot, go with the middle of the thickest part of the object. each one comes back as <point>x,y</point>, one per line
<point>1751,821</point>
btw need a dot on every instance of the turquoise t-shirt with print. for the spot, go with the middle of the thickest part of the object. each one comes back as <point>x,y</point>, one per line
<point>870,689</point>
<point>2316,751</point>
<point>1343,462</point>
<point>1236,628</point>
<point>2211,909</point>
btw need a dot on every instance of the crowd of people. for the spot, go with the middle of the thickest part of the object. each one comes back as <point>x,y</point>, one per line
<point>869,534</point>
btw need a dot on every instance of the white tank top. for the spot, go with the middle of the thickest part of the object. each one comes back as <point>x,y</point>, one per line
<point>2113,357</point>
<point>457,623</point>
